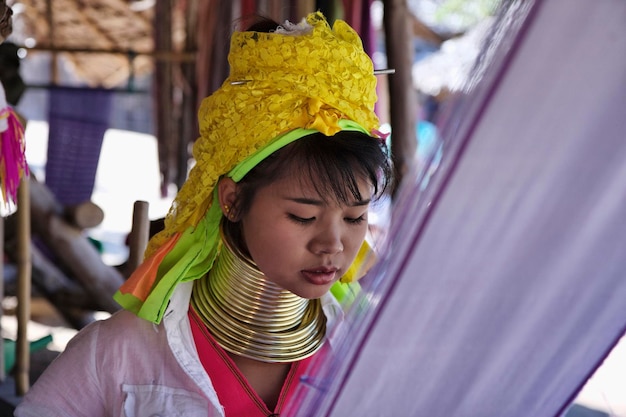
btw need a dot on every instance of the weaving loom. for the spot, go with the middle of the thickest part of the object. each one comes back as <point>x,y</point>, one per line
<point>502,288</point>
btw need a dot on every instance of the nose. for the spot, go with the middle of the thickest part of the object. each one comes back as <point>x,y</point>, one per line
<point>327,241</point>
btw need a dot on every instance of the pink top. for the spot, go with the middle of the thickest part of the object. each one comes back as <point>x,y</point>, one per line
<point>233,390</point>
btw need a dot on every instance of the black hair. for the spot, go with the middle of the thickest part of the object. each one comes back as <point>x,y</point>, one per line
<point>263,24</point>
<point>256,23</point>
<point>332,165</point>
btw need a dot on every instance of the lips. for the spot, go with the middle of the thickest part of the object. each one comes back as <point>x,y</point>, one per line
<point>320,276</point>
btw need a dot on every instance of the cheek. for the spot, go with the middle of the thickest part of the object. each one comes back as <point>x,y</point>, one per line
<point>268,244</point>
<point>355,240</point>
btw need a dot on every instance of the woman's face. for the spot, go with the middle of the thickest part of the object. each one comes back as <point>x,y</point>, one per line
<point>300,242</point>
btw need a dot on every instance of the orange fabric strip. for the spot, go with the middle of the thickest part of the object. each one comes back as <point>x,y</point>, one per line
<point>140,283</point>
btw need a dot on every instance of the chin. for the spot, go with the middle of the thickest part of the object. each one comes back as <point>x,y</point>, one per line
<point>313,293</point>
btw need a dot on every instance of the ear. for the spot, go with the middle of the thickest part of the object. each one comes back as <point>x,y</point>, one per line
<point>227,195</point>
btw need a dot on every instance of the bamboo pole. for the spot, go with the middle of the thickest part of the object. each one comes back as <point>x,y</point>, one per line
<point>139,235</point>
<point>22,346</point>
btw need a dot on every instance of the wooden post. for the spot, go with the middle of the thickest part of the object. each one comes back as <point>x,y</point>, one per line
<point>22,346</point>
<point>188,126</point>
<point>54,68</point>
<point>139,235</point>
<point>163,76</point>
<point>402,96</point>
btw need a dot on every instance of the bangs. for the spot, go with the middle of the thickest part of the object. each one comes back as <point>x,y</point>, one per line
<point>334,166</point>
<point>334,173</point>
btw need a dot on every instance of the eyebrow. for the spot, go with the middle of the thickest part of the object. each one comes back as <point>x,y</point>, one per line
<point>314,202</point>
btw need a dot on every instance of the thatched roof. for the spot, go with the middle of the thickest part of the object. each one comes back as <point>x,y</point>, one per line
<point>122,28</point>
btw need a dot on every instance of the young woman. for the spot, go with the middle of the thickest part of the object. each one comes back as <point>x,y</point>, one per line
<point>234,297</point>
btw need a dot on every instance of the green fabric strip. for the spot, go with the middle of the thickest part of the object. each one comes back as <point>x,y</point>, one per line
<point>190,259</point>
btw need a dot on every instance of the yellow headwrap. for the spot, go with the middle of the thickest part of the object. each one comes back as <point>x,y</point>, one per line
<point>278,83</point>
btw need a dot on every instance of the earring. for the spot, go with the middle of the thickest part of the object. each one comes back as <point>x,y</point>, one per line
<point>228,214</point>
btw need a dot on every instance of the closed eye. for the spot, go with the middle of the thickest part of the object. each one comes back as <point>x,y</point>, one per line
<point>357,220</point>
<point>300,220</point>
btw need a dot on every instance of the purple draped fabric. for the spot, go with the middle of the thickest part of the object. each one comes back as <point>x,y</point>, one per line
<point>78,119</point>
<point>503,285</point>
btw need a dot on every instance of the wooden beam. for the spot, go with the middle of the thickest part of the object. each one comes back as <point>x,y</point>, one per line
<point>173,56</point>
